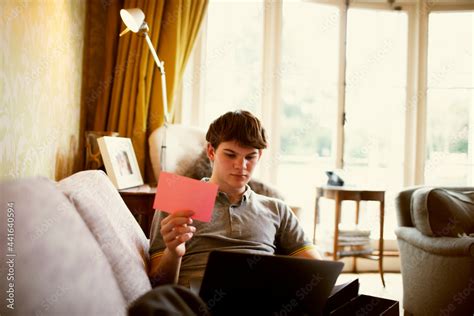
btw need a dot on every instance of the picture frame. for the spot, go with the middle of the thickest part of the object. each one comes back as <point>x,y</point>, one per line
<point>120,161</point>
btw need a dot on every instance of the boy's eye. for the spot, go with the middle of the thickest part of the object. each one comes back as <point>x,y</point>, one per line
<point>251,157</point>
<point>230,155</point>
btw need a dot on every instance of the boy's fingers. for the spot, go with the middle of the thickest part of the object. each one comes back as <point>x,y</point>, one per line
<point>178,214</point>
<point>179,231</point>
<point>179,221</point>
<point>184,229</point>
<point>183,213</point>
<point>185,237</point>
<point>175,242</point>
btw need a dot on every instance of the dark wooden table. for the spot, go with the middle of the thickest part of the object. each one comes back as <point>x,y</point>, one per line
<point>139,201</point>
<point>339,194</point>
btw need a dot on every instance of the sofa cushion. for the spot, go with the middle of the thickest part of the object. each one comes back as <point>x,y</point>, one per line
<point>442,212</point>
<point>57,266</point>
<point>118,233</point>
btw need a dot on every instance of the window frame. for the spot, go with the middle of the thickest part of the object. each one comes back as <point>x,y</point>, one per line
<point>416,103</point>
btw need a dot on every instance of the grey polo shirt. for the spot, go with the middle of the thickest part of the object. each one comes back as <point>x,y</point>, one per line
<point>257,224</point>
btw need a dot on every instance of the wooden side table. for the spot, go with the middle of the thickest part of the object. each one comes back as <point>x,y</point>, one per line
<point>339,194</point>
<point>139,201</point>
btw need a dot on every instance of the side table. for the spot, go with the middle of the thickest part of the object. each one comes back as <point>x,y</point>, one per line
<point>339,194</point>
<point>139,201</point>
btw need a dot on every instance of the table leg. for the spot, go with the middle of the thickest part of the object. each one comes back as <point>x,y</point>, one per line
<point>336,226</point>
<point>357,212</point>
<point>354,259</point>
<point>382,212</point>
<point>316,215</point>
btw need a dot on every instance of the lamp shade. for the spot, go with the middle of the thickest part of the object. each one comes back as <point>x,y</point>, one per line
<point>132,18</point>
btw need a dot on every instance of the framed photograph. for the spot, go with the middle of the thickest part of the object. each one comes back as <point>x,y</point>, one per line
<point>120,161</point>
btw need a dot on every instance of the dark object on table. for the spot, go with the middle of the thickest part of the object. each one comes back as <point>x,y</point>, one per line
<point>334,179</point>
<point>346,301</point>
<point>369,306</point>
<point>340,295</point>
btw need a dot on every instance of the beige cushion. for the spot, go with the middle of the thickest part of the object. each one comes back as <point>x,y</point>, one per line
<point>183,146</point>
<point>441,212</point>
<point>118,233</point>
<point>59,268</point>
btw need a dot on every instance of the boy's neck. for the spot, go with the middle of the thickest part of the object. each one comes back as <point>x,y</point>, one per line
<point>234,195</point>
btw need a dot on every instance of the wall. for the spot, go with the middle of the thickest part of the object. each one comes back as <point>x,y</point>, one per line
<point>41,51</point>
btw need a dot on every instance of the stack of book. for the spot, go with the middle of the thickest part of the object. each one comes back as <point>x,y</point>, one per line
<point>351,242</point>
<point>354,242</point>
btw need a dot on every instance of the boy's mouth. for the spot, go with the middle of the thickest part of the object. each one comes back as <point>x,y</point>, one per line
<point>239,175</point>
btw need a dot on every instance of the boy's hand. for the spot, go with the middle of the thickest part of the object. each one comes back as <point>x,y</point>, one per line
<point>176,230</point>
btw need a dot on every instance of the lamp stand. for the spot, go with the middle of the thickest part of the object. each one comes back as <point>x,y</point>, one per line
<point>161,66</point>
<point>134,20</point>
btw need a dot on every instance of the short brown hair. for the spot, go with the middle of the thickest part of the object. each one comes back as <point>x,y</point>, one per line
<point>240,126</point>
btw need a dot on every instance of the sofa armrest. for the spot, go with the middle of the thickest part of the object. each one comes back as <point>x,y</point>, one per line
<point>403,204</point>
<point>444,246</point>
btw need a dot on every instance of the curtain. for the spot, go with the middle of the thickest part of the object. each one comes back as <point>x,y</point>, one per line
<point>131,101</point>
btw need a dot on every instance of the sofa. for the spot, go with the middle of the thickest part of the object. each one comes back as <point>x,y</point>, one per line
<point>69,248</point>
<point>436,250</point>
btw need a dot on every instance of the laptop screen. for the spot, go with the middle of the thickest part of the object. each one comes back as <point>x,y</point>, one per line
<point>250,284</point>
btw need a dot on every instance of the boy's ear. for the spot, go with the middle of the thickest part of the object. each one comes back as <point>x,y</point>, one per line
<point>210,152</point>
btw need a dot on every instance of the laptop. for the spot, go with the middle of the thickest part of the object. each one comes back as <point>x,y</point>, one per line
<point>237,283</point>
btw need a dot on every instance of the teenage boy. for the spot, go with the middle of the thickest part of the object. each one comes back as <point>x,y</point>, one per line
<point>242,220</point>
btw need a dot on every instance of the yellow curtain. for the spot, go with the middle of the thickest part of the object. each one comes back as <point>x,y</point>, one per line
<point>130,107</point>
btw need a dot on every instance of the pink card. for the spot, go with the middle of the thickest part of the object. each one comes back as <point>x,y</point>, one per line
<point>178,193</point>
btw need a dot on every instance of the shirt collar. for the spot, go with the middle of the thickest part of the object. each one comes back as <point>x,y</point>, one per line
<point>245,196</point>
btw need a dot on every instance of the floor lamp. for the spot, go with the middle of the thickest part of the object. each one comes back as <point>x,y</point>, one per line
<point>134,20</point>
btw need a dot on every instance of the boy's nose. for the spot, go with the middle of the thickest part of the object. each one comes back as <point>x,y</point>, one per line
<point>241,164</point>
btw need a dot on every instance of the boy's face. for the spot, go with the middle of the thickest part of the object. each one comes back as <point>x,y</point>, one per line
<point>233,164</point>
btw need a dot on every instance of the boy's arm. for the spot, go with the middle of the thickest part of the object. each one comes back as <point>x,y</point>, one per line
<point>175,231</point>
<point>310,253</point>
<point>291,235</point>
<point>164,268</point>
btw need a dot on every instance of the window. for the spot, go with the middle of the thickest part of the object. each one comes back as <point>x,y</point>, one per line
<point>450,106</point>
<point>375,106</point>
<point>233,58</point>
<point>309,98</point>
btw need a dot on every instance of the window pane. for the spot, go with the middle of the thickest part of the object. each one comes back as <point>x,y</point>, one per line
<point>375,96</point>
<point>375,112</point>
<point>450,58</point>
<point>447,161</point>
<point>309,78</point>
<point>310,47</point>
<point>376,48</point>
<point>233,66</point>
<point>450,106</point>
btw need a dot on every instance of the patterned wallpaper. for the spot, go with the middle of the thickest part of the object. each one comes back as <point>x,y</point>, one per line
<point>40,87</point>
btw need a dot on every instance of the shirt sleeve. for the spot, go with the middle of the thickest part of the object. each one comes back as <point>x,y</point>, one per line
<point>290,238</point>
<point>157,245</point>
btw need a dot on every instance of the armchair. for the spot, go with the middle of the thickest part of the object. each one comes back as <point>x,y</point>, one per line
<point>437,266</point>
